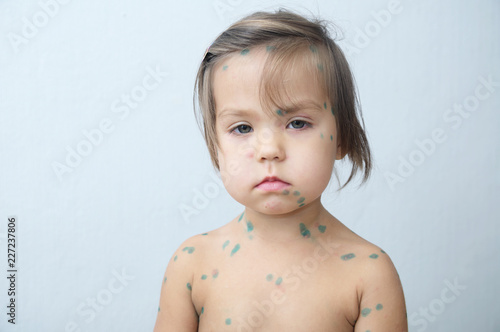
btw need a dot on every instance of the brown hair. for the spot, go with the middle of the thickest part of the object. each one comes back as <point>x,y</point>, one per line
<point>288,37</point>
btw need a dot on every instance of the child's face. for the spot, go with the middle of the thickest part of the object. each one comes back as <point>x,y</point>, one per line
<point>272,162</point>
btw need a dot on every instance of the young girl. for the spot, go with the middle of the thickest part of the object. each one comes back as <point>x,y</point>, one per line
<point>278,106</point>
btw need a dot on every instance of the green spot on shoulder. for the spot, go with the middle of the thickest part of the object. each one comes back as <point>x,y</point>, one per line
<point>382,251</point>
<point>165,280</point>
<point>304,231</point>
<point>235,249</point>
<point>322,228</point>
<point>373,256</point>
<point>301,200</point>
<point>228,321</point>
<point>225,245</point>
<point>285,192</point>
<point>249,226</point>
<point>347,257</point>
<point>158,309</point>
<point>279,281</point>
<point>296,193</point>
<point>379,306</point>
<point>188,285</point>
<point>241,217</point>
<point>189,250</point>
<point>245,51</point>
<point>204,277</point>
<point>175,258</point>
<point>365,312</point>
<point>269,277</point>
<point>224,67</point>
<point>204,234</point>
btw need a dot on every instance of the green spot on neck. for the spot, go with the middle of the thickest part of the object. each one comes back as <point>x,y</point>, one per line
<point>249,226</point>
<point>241,217</point>
<point>347,257</point>
<point>235,249</point>
<point>322,228</point>
<point>225,245</point>
<point>245,51</point>
<point>304,231</point>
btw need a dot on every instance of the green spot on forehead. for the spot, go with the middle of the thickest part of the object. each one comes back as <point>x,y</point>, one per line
<point>373,256</point>
<point>320,67</point>
<point>279,112</point>
<point>270,48</point>
<point>365,312</point>
<point>224,67</point>
<point>245,51</point>
<point>313,48</point>
<point>347,257</point>
<point>382,251</point>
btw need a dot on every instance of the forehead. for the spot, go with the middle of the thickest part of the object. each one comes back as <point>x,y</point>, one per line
<point>256,76</point>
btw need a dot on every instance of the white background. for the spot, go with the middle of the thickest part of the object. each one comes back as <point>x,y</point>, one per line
<point>119,210</point>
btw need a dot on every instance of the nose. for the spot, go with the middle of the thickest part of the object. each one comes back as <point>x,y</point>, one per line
<point>269,146</point>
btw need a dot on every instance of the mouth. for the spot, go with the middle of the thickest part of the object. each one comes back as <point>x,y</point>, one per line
<point>272,183</point>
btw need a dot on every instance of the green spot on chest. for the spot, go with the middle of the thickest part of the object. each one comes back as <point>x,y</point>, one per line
<point>235,249</point>
<point>215,273</point>
<point>379,306</point>
<point>347,257</point>
<point>279,281</point>
<point>365,312</point>
<point>228,321</point>
<point>204,277</point>
<point>188,285</point>
<point>225,245</point>
<point>304,231</point>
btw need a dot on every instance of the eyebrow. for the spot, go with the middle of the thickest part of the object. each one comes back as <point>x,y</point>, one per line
<point>290,108</point>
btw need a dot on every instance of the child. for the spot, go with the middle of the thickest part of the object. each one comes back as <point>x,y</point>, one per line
<point>278,105</point>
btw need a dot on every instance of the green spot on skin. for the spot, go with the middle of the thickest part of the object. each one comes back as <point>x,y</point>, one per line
<point>304,231</point>
<point>296,193</point>
<point>204,234</point>
<point>158,309</point>
<point>331,137</point>
<point>301,205</point>
<point>379,306</point>
<point>279,112</point>
<point>204,277</point>
<point>278,281</point>
<point>270,48</point>
<point>228,321</point>
<point>365,312</point>
<point>320,67</point>
<point>324,105</point>
<point>373,256</point>
<point>269,277</point>
<point>235,249</point>
<point>215,273</point>
<point>241,217</point>
<point>165,280</point>
<point>348,257</point>
<point>382,251</point>
<point>333,113</point>
<point>202,310</point>
<point>188,285</point>
<point>245,51</point>
<point>175,258</point>
<point>189,250</point>
<point>313,48</point>
<point>285,192</point>
<point>301,200</point>
<point>224,67</point>
<point>249,226</point>
<point>322,228</point>
<point>321,135</point>
<point>225,245</point>
<point>367,330</point>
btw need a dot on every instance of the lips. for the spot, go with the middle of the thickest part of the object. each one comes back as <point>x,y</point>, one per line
<point>272,183</point>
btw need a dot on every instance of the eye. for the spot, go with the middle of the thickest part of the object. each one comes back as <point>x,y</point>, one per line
<point>298,124</point>
<point>242,129</point>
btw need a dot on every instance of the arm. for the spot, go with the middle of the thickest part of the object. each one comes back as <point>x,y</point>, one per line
<point>176,311</point>
<point>382,304</point>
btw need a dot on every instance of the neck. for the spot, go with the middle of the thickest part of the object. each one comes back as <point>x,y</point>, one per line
<point>287,227</point>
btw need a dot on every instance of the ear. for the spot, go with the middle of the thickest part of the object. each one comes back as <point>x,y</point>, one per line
<point>340,153</point>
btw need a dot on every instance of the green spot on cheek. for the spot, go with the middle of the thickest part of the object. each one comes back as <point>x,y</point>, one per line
<point>304,231</point>
<point>215,273</point>
<point>322,228</point>
<point>301,200</point>
<point>204,277</point>
<point>322,136</point>
<point>241,217</point>
<point>296,193</point>
<point>301,205</point>
<point>365,312</point>
<point>245,51</point>
<point>235,249</point>
<point>373,256</point>
<point>379,306</point>
<point>188,285</point>
<point>189,250</point>
<point>347,257</point>
<point>228,321</point>
<point>249,226</point>
<point>224,67</point>
<point>278,281</point>
<point>331,137</point>
<point>225,245</point>
<point>333,113</point>
<point>285,192</point>
<point>269,277</point>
